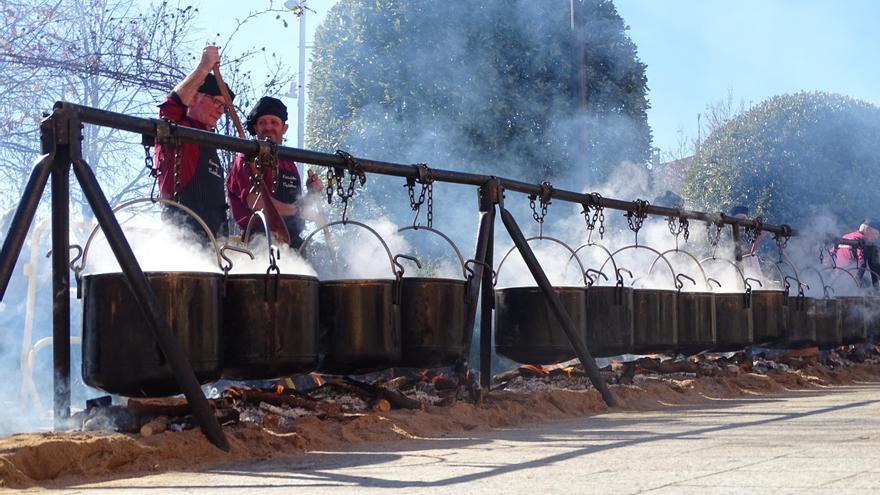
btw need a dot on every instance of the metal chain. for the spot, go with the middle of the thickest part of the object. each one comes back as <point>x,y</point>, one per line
<point>636,217</point>
<point>544,201</point>
<point>175,139</point>
<point>269,161</point>
<point>685,226</point>
<point>675,226</point>
<point>355,174</point>
<point>427,182</point>
<point>751,233</point>
<point>151,170</point>
<point>430,214</point>
<point>598,215</point>
<point>713,236</point>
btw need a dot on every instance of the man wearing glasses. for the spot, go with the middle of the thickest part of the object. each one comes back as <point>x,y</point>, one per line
<point>191,174</point>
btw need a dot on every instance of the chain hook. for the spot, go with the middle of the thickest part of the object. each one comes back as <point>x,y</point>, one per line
<point>543,197</point>
<point>636,217</point>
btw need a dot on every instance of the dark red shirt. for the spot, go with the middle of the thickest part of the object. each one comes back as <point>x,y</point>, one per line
<point>238,185</point>
<point>174,110</point>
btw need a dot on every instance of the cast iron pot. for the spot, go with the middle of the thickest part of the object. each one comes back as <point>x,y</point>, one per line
<point>270,326</point>
<point>696,321</point>
<point>433,314</point>
<point>655,311</point>
<point>655,320</point>
<point>527,330</point>
<point>770,315</point>
<point>801,322</point>
<point>120,354</point>
<point>358,320</point>
<point>609,328</point>
<point>696,310</point>
<point>734,324</point>
<point>609,320</point>
<point>854,322</point>
<point>270,320</point>
<point>827,316</point>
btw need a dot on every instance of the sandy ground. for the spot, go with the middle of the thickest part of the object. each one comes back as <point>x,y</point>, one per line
<point>56,460</point>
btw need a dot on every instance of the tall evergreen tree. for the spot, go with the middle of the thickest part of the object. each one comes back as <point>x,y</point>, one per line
<point>500,86</point>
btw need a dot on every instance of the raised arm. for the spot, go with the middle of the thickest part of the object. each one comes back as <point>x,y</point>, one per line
<point>186,90</point>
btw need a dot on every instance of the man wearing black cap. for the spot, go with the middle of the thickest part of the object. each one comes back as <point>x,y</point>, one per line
<point>192,174</point>
<point>268,120</point>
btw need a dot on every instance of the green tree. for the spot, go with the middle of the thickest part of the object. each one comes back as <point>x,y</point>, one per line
<point>506,87</point>
<point>791,157</point>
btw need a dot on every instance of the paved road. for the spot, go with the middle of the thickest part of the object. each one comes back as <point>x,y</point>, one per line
<point>802,442</point>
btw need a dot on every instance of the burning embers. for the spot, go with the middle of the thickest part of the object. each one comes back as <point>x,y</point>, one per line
<point>530,378</point>
<point>279,407</point>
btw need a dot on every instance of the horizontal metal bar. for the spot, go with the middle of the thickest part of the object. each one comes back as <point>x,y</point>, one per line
<point>186,134</point>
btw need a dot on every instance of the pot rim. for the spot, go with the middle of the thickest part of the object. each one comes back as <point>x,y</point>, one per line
<point>157,273</point>
<point>356,281</point>
<point>433,279</point>
<point>261,276</point>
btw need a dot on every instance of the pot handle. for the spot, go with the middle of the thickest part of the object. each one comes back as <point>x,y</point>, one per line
<point>603,248</point>
<point>226,247</point>
<point>446,238</point>
<point>848,272</point>
<point>639,246</point>
<point>591,276</point>
<point>398,286</point>
<point>825,288</point>
<point>468,296</point>
<point>399,271</point>
<point>163,201</point>
<point>540,238</point>
<point>679,284</point>
<point>739,271</point>
<point>358,224</point>
<point>689,255</point>
<point>274,252</point>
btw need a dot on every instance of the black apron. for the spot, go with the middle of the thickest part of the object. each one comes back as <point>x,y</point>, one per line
<point>288,190</point>
<point>205,194</point>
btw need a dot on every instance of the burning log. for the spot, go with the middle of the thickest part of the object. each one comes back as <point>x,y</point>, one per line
<point>155,426</point>
<point>381,405</point>
<point>256,396</point>
<point>372,392</point>
<point>165,406</point>
<point>398,383</point>
<point>292,413</point>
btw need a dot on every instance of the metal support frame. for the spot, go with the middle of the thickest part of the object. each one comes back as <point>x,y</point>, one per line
<point>60,139</point>
<point>60,135</point>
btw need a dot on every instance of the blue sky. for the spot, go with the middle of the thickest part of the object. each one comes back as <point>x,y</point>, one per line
<point>697,51</point>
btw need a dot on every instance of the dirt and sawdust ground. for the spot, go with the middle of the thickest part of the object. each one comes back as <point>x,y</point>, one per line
<point>60,459</point>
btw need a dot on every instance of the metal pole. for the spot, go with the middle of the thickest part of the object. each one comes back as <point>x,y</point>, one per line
<point>61,287</point>
<point>196,136</point>
<point>301,86</point>
<point>475,283</point>
<point>487,310</point>
<point>149,304</point>
<point>22,219</point>
<point>568,325</point>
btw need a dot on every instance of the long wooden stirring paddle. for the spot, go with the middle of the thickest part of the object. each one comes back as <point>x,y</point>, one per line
<point>273,218</point>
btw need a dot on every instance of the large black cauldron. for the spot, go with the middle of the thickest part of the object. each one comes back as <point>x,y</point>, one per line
<point>120,354</point>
